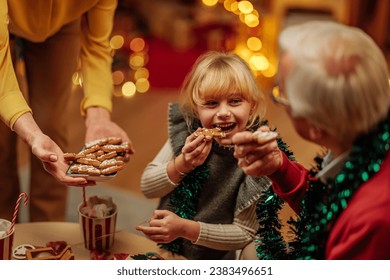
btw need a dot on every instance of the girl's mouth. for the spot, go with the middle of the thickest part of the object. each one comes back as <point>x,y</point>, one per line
<point>226,127</point>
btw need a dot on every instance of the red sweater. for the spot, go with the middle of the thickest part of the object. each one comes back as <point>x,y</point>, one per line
<point>362,231</point>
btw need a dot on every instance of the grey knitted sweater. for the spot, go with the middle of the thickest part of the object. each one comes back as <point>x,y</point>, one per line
<point>225,194</point>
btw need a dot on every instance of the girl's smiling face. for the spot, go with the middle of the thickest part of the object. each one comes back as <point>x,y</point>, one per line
<point>230,113</point>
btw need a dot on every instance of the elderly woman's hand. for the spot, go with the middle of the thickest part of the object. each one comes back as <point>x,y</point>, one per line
<point>254,158</point>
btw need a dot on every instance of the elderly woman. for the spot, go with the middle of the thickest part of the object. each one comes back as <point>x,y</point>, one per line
<point>334,86</point>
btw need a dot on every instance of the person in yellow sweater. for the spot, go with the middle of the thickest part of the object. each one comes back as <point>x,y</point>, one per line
<point>54,35</point>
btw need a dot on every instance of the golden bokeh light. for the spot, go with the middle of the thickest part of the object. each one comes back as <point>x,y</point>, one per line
<point>128,89</point>
<point>270,71</point>
<point>256,13</point>
<point>142,85</point>
<point>259,62</point>
<point>244,53</point>
<point>210,2</point>
<point>251,20</point>
<point>241,17</point>
<point>137,44</point>
<point>228,4</point>
<point>234,8</point>
<point>136,61</point>
<point>254,44</point>
<point>117,42</point>
<point>117,93</point>
<point>118,77</point>
<point>245,7</point>
<point>141,73</point>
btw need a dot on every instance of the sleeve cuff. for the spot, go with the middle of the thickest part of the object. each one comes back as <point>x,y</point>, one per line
<point>290,183</point>
<point>99,102</point>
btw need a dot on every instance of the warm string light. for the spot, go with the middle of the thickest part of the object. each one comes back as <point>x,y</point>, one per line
<point>132,79</point>
<point>139,74</point>
<point>250,47</point>
<point>135,79</point>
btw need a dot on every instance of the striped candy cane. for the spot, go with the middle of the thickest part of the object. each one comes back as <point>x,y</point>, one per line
<point>16,211</point>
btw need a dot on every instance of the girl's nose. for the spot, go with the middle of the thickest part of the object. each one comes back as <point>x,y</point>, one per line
<point>223,113</point>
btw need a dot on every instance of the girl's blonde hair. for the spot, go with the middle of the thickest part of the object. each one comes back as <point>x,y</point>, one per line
<point>220,74</point>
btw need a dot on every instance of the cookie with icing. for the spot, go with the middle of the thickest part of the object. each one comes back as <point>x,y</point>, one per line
<point>263,137</point>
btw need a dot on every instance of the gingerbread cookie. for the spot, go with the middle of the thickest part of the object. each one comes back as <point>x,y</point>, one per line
<point>209,133</point>
<point>89,161</point>
<point>98,153</point>
<point>108,155</point>
<point>89,150</point>
<point>121,148</point>
<point>85,169</point>
<point>110,162</point>
<point>111,169</point>
<point>70,156</point>
<point>99,142</point>
<point>114,140</point>
<point>91,155</point>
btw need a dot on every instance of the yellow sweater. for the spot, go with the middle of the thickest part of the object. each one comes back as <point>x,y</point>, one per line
<point>39,19</point>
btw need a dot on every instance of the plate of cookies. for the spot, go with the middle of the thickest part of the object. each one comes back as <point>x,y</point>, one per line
<point>99,160</point>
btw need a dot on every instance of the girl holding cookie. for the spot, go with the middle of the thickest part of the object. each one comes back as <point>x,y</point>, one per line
<point>207,204</point>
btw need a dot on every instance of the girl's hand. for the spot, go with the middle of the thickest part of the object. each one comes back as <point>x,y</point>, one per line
<point>165,226</point>
<point>195,151</point>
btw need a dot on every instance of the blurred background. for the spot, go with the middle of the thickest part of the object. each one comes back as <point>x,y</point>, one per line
<point>155,42</point>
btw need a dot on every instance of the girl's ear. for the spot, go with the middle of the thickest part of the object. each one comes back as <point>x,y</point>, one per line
<point>253,107</point>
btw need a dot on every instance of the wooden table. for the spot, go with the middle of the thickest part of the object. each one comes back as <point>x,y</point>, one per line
<point>40,233</point>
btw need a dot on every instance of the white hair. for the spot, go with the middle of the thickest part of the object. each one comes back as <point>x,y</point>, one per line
<point>339,79</point>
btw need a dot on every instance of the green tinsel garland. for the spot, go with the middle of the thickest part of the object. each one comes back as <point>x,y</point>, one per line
<point>322,204</point>
<point>267,211</point>
<point>185,199</point>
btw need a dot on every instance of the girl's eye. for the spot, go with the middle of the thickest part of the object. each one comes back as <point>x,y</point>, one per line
<point>235,100</point>
<point>210,103</point>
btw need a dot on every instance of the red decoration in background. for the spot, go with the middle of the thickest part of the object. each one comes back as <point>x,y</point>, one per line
<point>167,66</point>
